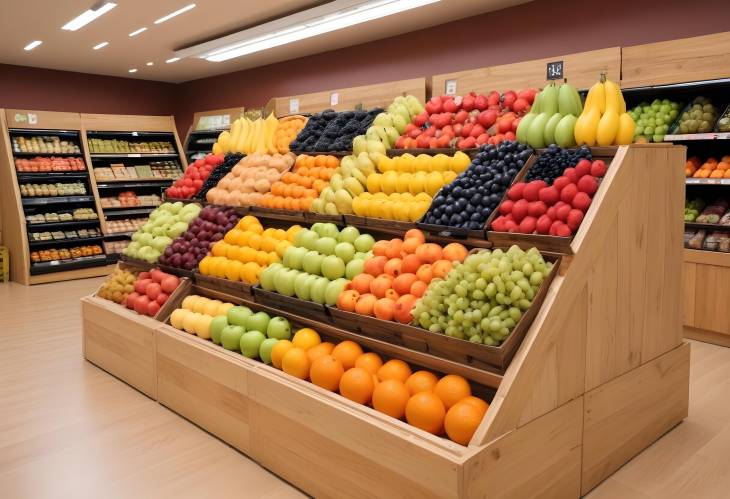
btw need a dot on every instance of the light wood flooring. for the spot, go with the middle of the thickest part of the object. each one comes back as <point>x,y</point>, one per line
<point>70,430</point>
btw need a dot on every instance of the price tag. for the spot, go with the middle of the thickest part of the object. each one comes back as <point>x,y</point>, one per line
<point>54,262</point>
<point>555,70</point>
<point>334,98</point>
<point>32,119</point>
<point>450,87</point>
<point>134,155</point>
<point>293,106</point>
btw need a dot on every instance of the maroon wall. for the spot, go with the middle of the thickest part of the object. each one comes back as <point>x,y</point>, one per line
<point>541,28</point>
<point>50,90</point>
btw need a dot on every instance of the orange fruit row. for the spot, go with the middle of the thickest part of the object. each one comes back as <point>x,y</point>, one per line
<point>296,190</point>
<point>322,160</point>
<point>270,200</point>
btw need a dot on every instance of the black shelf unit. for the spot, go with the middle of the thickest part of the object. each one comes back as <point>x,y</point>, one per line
<point>71,224</point>
<point>193,146</point>
<point>118,155</point>
<point>64,265</point>
<point>42,201</point>
<point>51,176</point>
<point>46,131</point>
<point>66,241</point>
<point>19,154</point>
<point>129,212</point>
<point>134,184</point>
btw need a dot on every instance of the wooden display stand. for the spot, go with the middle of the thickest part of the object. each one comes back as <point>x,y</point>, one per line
<point>706,277</point>
<point>601,374</point>
<point>345,99</point>
<point>580,69</point>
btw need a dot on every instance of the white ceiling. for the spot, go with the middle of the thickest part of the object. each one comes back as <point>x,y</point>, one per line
<point>23,21</point>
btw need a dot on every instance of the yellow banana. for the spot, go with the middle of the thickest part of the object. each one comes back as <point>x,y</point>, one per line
<point>235,134</point>
<point>613,97</point>
<point>607,128</point>
<point>596,98</point>
<point>248,142</point>
<point>626,128</point>
<point>585,127</point>
<point>224,141</point>
<point>242,136</point>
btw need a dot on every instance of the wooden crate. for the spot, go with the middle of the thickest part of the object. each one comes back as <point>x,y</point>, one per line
<point>236,288</point>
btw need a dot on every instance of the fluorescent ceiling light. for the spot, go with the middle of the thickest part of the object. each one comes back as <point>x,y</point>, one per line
<point>174,59</point>
<point>150,63</point>
<point>134,70</point>
<point>331,16</point>
<point>96,11</point>
<point>101,45</point>
<point>32,45</point>
<point>137,32</point>
<point>176,13</point>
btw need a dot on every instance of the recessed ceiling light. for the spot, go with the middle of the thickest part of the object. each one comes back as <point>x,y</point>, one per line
<point>150,63</point>
<point>32,45</point>
<point>101,45</point>
<point>137,32</point>
<point>133,70</point>
<point>85,18</point>
<point>174,59</point>
<point>176,13</point>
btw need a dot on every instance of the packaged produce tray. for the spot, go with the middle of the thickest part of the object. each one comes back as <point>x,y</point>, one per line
<point>235,288</point>
<point>300,307</point>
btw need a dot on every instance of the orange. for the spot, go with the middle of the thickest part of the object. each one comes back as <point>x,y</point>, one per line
<point>390,397</point>
<point>421,381</point>
<point>451,389</point>
<point>476,402</point>
<point>332,162</point>
<point>232,236</point>
<point>326,372</point>
<point>320,161</point>
<point>277,353</point>
<point>370,361</point>
<point>347,352</point>
<point>295,362</point>
<point>254,241</point>
<point>462,421</point>
<point>306,338</point>
<point>219,248</point>
<point>357,385</point>
<point>233,269</point>
<point>394,369</point>
<point>319,350</point>
<point>425,410</point>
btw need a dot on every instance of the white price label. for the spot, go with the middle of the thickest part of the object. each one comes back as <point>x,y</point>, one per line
<point>334,98</point>
<point>54,262</point>
<point>135,155</point>
<point>293,105</point>
<point>450,87</point>
<point>32,119</point>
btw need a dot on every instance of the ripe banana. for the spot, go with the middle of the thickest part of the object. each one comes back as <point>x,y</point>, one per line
<point>607,128</point>
<point>613,97</point>
<point>626,127</point>
<point>585,127</point>
<point>596,97</point>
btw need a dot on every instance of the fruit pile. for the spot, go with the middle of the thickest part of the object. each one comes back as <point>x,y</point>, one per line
<point>195,175</point>
<point>299,188</point>
<point>699,118</point>
<point>250,179</point>
<point>49,164</point>
<point>57,189</point>
<point>65,253</point>
<point>246,250</point>
<point>388,126</point>
<point>130,198</point>
<point>552,117</point>
<point>552,163</point>
<point>397,275</point>
<point>319,264</point>
<point>289,127</point>
<point>331,131</point>
<point>709,169</point>
<point>468,201</point>
<point>604,120</point>
<point>424,400</point>
<point>558,209</point>
<point>250,137</point>
<point>466,122</point>
<point>151,290</point>
<point>483,298</point>
<point>118,285</point>
<point>168,221</point>
<point>44,144</point>
<point>192,245</point>
<point>692,209</point>
<point>229,161</point>
<point>653,120</point>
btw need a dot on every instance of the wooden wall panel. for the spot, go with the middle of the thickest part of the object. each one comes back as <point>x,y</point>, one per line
<point>675,61</point>
<point>128,123</point>
<point>712,288</point>
<point>625,415</point>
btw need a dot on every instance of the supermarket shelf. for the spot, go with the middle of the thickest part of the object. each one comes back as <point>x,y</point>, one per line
<point>114,235</point>
<point>43,131</point>
<point>73,240</point>
<point>160,155</point>
<point>705,257</point>
<point>35,176</point>
<point>39,201</point>
<point>697,225</point>
<point>113,257</point>
<point>707,181</point>
<point>60,225</point>
<point>116,184</point>
<point>130,211</point>
<point>131,133</point>
<point>117,208</point>
<point>19,154</point>
<point>697,136</point>
<point>64,265</point>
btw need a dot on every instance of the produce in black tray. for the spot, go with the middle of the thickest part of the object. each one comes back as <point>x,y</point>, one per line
<point>553,162</point>
<point>331,131</point>
<point>220,171</point>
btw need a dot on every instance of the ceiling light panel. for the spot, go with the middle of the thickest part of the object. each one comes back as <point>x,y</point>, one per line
<point>85,18</point>
<point>176,13</point>
<point>174,59</point>
<point>138,31</point>
<point>101,45</point>
<point>32,45</point>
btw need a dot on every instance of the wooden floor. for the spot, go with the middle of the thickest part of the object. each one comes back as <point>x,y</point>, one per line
<point>70,430</point>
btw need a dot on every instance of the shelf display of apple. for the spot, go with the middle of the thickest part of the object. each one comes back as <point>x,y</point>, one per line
<point>188,249</point>
<point>195,175</point>
<point>466,122</point>
<point>319,264</point>
<point>167,222</point>
<point>151,290</point>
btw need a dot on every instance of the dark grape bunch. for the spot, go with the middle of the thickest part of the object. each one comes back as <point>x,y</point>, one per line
<point>468,201</point>
<point>551,164</point>
<point>331,131</point>
<point>218,173</point>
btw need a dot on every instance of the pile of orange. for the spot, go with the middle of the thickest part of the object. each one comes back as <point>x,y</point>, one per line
<point>298,188</point>
<point>425,401</point>
<point>287,130</point>
<point>709,169</point>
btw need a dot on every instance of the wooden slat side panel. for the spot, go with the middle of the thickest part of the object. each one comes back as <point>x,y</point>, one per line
<point>712,285</point>
<point>689,278</point>
<point>540,459</point>
<point>675,61</point>
<point>627,414</point>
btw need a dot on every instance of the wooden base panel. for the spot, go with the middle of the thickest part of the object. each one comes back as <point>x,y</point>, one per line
<point>69,275</point>
<point>706,336</point>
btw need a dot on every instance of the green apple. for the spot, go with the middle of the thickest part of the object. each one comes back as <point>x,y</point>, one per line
<point>284,281</point>
<point>231,337</point>
<point>333,290</point>
<point>217,325</point>
<point>237,316</point>
<point>318,288</point>
<point>345,251</point>
<point>279,328</point>
<point>349,234</point>
<point>293,257</point>
<point>360,256</point>
<point>333,267</point>
<point>176,229</point>
<point>354,267</point>
<point>326,245</point>
<point>307,238</point>
<point>265,349</point>
<point>145,239</point>
<point>266,279</point>
<point>312,262</point>
<point>303,285</point>
<point>329,230</point>
<point>358,144</point>
<point>161,242</point>
<point>251,342</point>
<point>364,242</point>
<point>175,207</point>
<point>258,322</point>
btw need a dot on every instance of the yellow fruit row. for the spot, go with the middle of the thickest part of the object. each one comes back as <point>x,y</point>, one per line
<point>235,270</point>
<point>403,207</point>
<point>408,163</point>
<point>413,183</point>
